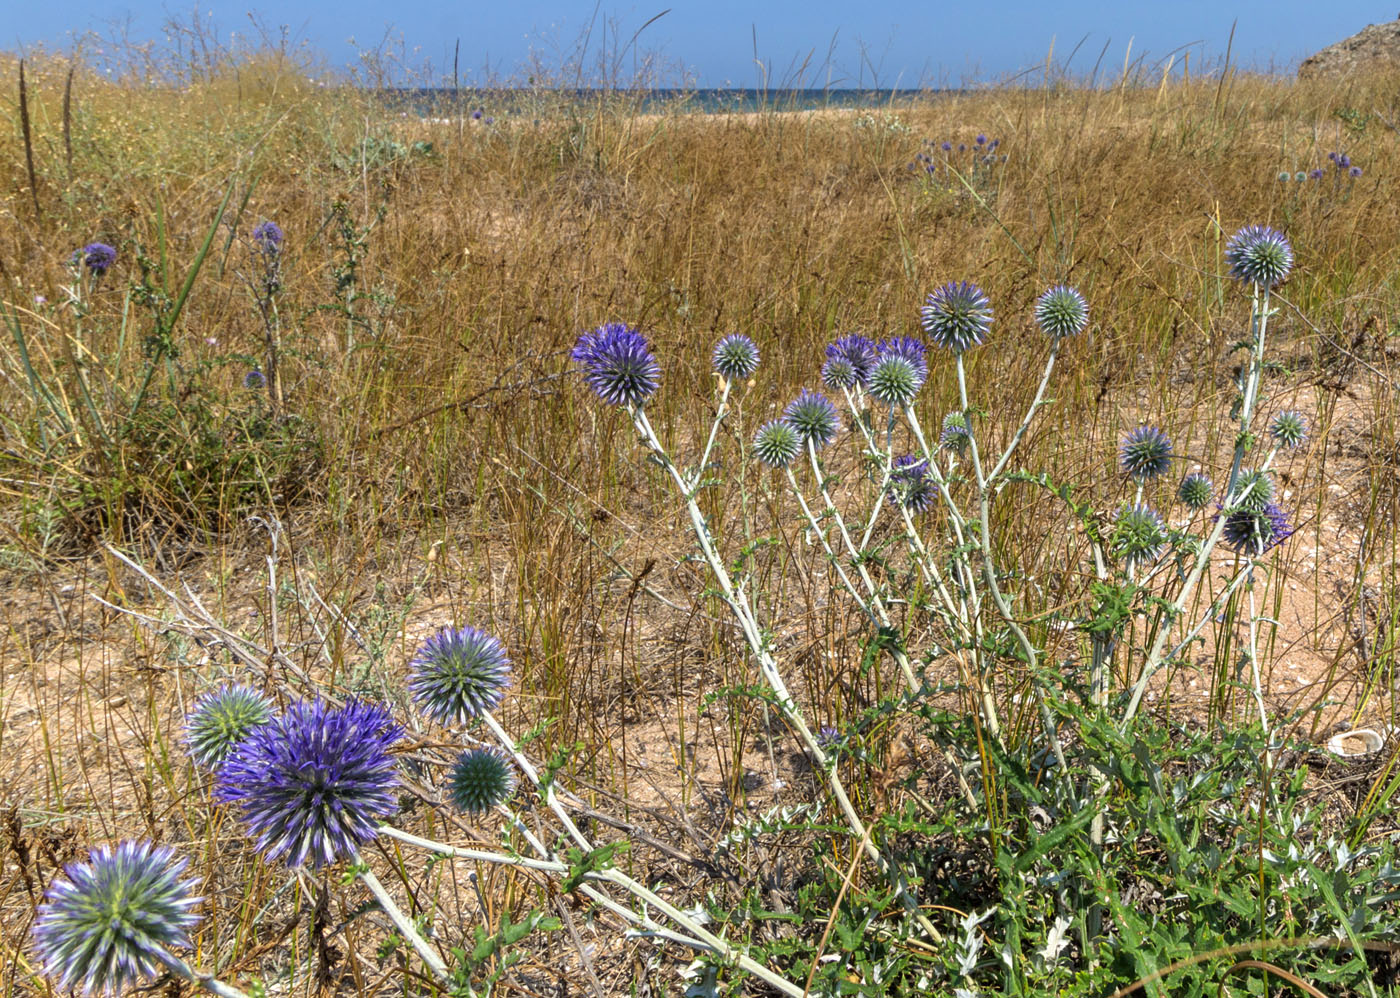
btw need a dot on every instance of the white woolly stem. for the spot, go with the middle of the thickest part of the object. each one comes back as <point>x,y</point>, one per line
<point>401,921</point>
<point>206,981</point>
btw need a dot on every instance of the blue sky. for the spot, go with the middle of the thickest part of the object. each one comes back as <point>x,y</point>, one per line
<point>848,43</point>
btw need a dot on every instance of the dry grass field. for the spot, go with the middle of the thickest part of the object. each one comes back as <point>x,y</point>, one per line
<point>420,452</point>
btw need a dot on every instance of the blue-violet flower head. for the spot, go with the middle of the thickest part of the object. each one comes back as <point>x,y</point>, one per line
<point>97,257</point>
<point>735,357</point>
<point>313,784</point>
<point>911,486</point>
<point>1253,532</point>
<point>956,316</point>
<point>1061,311</point>
<point>1146,453</point>
<point>104,922</point>
<point>1259,255</point>
<point>267,237</point>
<point>813,417</point>
<point>617,364</point>
<point>459,674</point>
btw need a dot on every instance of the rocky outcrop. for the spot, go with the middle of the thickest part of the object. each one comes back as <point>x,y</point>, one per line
<point>1376,46</point>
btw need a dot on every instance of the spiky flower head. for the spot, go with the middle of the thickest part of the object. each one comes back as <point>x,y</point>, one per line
<point>617,364</point>
<point>223,718</point>
<point>955,435</point>
<point>848,361</point>
<point>103,924</point>
<point>894,380</point>
<point>1146,453</point>
<point>1061,311</point>
<point>1254,489</point>
<point>1138,534</point>
<point>735,357</point>
<point>956,316</point>
<point>1253,532</point>
<point>911,486</point>
<point>254,379</point>
<point>908,347</point>
<point>458,674</point>
<point>313,784</point>
<point>814,418</point>
<point>1289,429</point>
<point>1259,255</point>
<point>1195,491</point>
<point>481,778</point>
<point>97,257</point>
<point>776,444</point>
<point>267,237</point>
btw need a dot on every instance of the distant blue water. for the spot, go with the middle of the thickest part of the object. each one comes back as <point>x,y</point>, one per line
<point>519,102</point>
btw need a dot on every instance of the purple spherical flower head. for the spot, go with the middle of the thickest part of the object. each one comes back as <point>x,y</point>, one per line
<point>962,147</point>
<point>981,140</point>
<point>476,115</point>
<point>812,416</point>
<point>910,486</point>
<point>850,356</point>
<point>488,120</point>
<point>267,237</point>
<point>1146,453</point>
<point>1253,532</point>
<point>617,364</point>
<point>312,785</point>
<point>1061,311</point>
<point>735,357</point>
<point>1354,172</point>
<point>1315,174</point>
<point>459,674</point>
<point>946,146</point>
<point>97,257</point>
<point>104,923</point>
<point>1259,255</point>
<point>956,316</point>
<point>254,379</point>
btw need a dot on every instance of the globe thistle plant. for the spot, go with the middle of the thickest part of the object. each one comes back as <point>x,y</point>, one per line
<point>1259,255</point>
<point>617,364</point>
<point>459,674</point>
<point>735,358</point>
<point>1253,532</point>
<point>777,444</point>
<point>956,316</point>
<point>1061,311</point>
<point>254,379</point>
<point>813,417</point>
<point>848,361</point>
<point>107,922</point>
<point>910,485</point>
<point>1146,453</point>
<point>1195,491</point>
<point>267,237</point>
<point>1138,534</point>
<point>481,778</point>
<point>954,436</point>
<point>1289,429</point>
<point>313,784</point>
<point>97,257</point>
<point>223,718</point>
